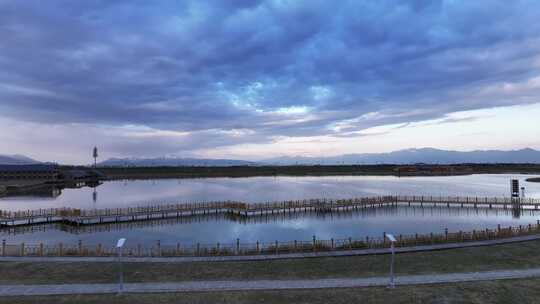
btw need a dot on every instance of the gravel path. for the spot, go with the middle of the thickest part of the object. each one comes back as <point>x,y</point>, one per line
<point>198,286</point>
<point>357,252</point>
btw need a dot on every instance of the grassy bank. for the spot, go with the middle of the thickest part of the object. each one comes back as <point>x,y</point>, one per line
<point>504,291</point>
<point>509,256</point>
<point>250,171</point>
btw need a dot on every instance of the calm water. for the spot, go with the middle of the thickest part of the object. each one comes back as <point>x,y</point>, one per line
<point>211,229</point>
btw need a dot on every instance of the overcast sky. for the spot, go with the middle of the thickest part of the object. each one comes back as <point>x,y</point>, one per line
<point>259,79</point>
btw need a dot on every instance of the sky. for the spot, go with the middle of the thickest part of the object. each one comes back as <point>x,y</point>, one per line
<point>253,80</point>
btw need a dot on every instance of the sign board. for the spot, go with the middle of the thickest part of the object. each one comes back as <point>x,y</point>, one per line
<point>390,237</point>
<point>120,243</point>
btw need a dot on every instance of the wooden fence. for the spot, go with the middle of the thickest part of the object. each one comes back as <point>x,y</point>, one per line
<point>254,219</point>
<point>246,208</point>
<point>240,248</point>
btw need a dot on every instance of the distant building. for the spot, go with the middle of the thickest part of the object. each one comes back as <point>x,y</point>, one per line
<point>29,172</point>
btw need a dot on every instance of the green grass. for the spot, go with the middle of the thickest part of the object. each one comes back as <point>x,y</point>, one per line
<point>509,256</point>
<point>504,291</point>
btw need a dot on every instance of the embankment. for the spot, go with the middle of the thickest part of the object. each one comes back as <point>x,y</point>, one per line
<point>315,170</point>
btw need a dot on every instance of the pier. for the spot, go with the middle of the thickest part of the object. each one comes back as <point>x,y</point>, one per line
<point>80,217</point>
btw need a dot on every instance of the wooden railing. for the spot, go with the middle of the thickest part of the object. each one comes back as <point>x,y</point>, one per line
<point>276,247</point>
<point>194,207</point>
<point>233,206</point>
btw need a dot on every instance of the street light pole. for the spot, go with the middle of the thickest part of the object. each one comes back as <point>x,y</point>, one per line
<point>119,246</point>
<point>121,275</point>
<point>392,284</point>
<point>95,155</point>
<point>392,248</point>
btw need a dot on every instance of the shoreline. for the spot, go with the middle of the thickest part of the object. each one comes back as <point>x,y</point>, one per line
<point>35,186</point>
<point>146,173</point>
<point>121,173</point>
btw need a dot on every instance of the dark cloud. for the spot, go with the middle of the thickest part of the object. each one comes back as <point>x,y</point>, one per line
<point>224,65</point>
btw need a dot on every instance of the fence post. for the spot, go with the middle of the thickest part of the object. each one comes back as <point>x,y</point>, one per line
<point>198,248</point>
<point>350,243</point>
<point>237,246</point>
<point>332,243</point>
<point>60,249</point>
<point>217,249</point>
<point>138,249</point>
<point>314,244</point>
<point>177,253</point>
<point>80,247</point>
<point>22,249</point>
<point>40,249</point>
<point>258,248</point>
<point>98,249</point>
<point>446,234</point>
<point>277,248</point>
<point>158,248</point>
<point>3,247</point>
<point>295,244</point>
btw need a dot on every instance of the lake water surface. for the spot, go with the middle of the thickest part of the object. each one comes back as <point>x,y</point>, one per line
<point>211,229</point>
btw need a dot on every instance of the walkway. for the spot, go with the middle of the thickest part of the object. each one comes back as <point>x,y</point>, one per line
<point>201,286</point>
<point>358,252</point>
<point>78,217</point>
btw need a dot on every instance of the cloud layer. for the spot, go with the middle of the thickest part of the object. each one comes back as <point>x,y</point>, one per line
<point>239,72</point>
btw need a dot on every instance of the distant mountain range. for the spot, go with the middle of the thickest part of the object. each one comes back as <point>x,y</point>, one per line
<point>412,156</point>
<point>172,162</point>
<point>16,160</point>
<point>408,156</point>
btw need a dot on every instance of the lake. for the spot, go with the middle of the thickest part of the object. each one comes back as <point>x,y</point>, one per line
<point>301,226</point>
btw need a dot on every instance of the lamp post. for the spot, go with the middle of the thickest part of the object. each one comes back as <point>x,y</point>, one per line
<point>119,246</point>
<point>392,240</point>
<point>95,155</point>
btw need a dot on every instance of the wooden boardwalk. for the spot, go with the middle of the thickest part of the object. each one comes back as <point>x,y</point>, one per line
<point>263,219</point>
<point>78,217</point>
